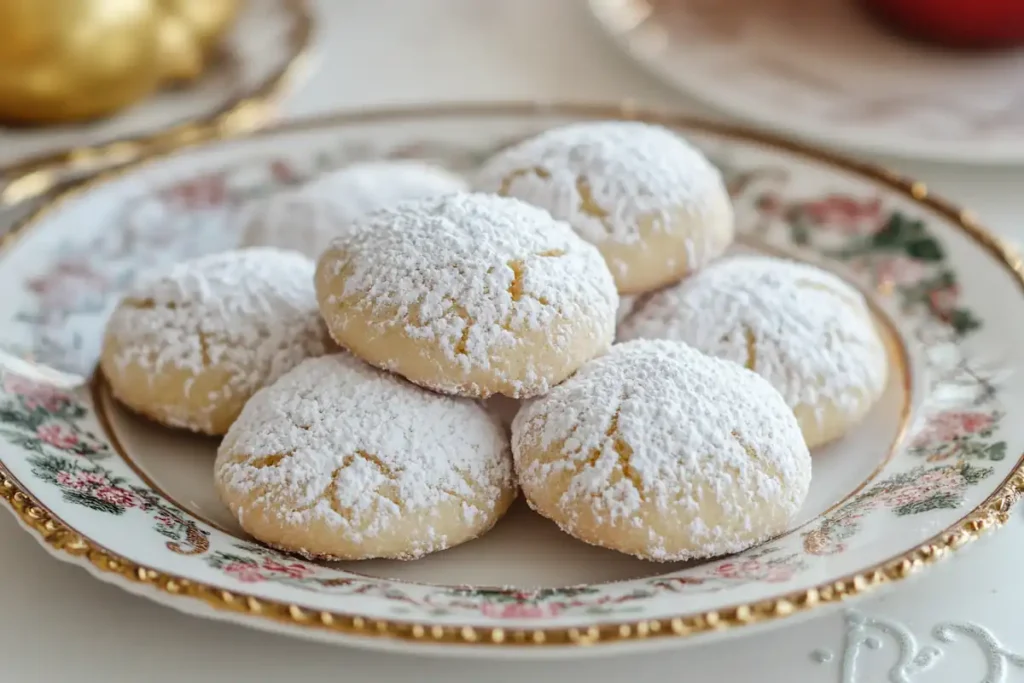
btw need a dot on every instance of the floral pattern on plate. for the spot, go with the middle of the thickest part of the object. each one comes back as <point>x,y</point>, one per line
<point>956,451</point>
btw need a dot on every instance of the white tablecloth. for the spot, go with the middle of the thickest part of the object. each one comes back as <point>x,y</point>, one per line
<point>61,625</point>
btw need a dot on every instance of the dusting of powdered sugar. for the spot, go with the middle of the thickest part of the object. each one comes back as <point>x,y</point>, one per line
<point>657,424</point>
<point>291,219</point>
<point>472,274</point>
<point>806,331</point>
<point>356,449</point>
<point>606,178</point>
<point>251,314</point>
<point>306,218</point>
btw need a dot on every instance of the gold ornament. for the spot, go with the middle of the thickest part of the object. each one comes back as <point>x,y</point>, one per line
<point>209,19</point>
<point>189,31</point>
<point>65,60</point>
<point>181,58</point>
<point>69,60</point>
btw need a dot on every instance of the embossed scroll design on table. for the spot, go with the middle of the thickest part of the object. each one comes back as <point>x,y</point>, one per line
<point>865,633</point>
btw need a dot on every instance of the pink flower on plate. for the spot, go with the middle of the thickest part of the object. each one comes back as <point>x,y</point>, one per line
<point>738,570</point>
<point>680,582</point>
<point>67,281</point>
<point>948,426</point>
<point>941,482</point>
<point>514,610</point>
<point>951,485</point>
<point>83,480</point>
<point>844,214</point>
<point>942,301</point>
<point>118,496</point>
<point>57,436</point>
<point>907,496</point>
<point>93,478</point>
<point>244,572</point>
<point>295,570</point>
<point>165,519</point>
<point>779,573</point>
<point>900,270</point>
<point>67,480</point>
<point>726,570</point>
<point>35,395</point>
<point>937,478</point>
<point>975,422</point>
<point>203,192</point>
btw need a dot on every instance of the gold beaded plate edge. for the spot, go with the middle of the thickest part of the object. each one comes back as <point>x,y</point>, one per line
<point>264,54</point>
<point>937,464</point>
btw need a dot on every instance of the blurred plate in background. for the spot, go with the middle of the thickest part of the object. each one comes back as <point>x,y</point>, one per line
<point>825,71</point>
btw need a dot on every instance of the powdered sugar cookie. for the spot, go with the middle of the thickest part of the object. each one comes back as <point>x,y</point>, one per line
<point>654,205</point>
<point>297,218</point>
<point>308,217</point>
<point>338,460</point>
<point>659,451</point>
<point>469,294</point>
<point>190,347</point>
<point>806,331</point>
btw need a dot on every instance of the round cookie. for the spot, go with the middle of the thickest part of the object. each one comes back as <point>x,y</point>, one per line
<point>191,346</point>
<point>653,204</point>
<point>308,217</point>
<point>338,460</point>
<point>468,294</point>
<point>804,330</point>
<point>296,218</point>
<point>661,452</point>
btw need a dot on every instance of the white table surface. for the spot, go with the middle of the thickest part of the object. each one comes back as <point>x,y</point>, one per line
<point>61,625</point>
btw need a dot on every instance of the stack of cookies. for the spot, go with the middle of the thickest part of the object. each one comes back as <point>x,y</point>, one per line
<point>351,392</point>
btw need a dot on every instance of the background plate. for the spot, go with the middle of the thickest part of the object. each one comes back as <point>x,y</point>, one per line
<point>825,72</point>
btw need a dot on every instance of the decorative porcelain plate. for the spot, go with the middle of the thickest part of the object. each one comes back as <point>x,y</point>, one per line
<point>825,71</point>
<point>261,54</point>
<point>937,462</point>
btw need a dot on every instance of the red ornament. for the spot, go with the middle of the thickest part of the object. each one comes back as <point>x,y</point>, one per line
<point>955,23</point>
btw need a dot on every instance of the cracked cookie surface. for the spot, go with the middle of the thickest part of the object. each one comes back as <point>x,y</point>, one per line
<point>190,346</point>
<point>805,330</point>
<point>651,203</point>
<point>468,294</point>
<point>659,451</point>
<point>338,460</point>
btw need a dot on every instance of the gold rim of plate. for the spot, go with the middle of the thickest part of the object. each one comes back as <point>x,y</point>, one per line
<point>243,113</point>
<point>990,514</point>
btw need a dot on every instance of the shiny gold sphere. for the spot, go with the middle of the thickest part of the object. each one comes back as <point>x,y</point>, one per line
<point>65,60</point>
<point>189,30</point>
<point>208,19</point>
<point>69,60</point>
<point>181,55</point>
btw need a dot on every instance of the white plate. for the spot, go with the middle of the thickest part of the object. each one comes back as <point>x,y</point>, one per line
<point>261,54</point>
<point>936,463</point>
<point>825,72</point>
